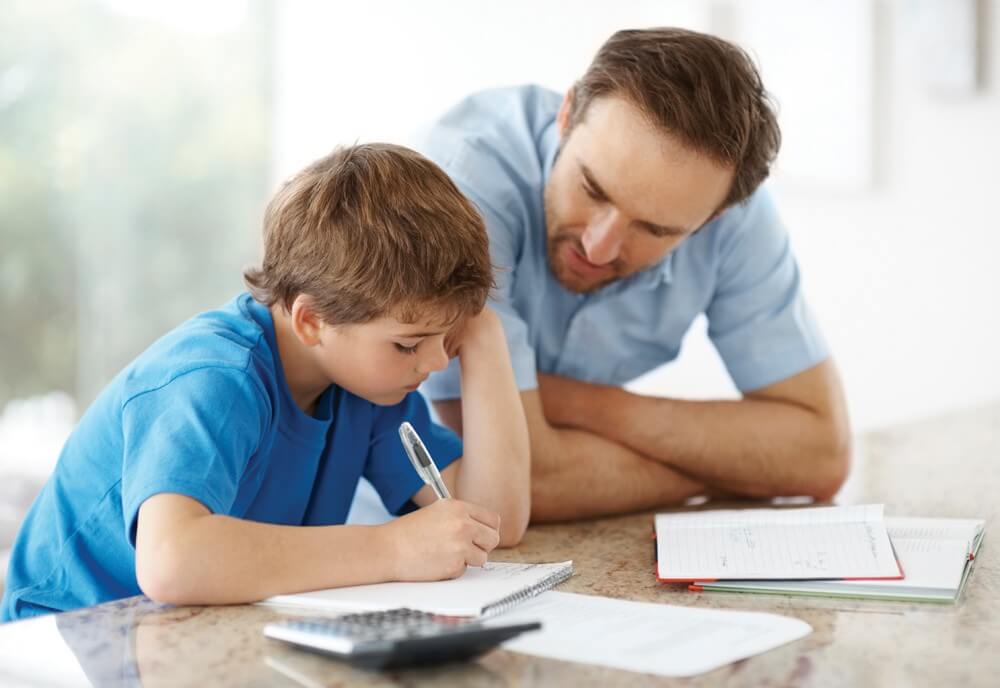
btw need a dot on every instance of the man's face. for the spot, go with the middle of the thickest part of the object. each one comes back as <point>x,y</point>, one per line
<point>622,195</point>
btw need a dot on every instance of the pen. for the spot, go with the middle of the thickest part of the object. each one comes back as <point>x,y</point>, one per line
<point>421,459</point>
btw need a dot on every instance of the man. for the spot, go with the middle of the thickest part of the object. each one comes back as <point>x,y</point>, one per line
<point>617,214</point>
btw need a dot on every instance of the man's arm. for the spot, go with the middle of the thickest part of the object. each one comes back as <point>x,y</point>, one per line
<point>577,474</point>
<point>790,438</point>
<point>495,469</point>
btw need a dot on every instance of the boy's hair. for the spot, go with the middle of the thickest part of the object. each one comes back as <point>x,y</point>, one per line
<point>373,230</point>
<point>701,89</point>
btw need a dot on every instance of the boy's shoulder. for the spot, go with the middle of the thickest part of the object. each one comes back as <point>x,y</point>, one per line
<point>233,339</point>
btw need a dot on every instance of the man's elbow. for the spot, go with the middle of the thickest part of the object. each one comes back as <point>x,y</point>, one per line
<point>836,466</point>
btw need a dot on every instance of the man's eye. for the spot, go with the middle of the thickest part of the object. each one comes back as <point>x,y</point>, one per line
<point>406,349</point>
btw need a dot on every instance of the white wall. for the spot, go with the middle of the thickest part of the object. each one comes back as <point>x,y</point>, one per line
<point>900,267</point>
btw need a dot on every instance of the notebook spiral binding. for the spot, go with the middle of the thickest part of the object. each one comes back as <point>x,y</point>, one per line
<point>547,583</point>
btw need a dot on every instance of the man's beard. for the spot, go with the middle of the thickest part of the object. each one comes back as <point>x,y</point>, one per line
<point>554,241</point>
<point>565,275</point>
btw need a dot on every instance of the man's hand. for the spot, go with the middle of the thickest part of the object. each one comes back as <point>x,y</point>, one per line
<point>440,540</point>
<point>560,397</point>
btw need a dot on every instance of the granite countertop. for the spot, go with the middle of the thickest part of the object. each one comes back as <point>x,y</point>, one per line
<point>942,468</point>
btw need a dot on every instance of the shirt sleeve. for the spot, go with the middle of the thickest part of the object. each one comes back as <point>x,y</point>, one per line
<point>758,319</point>
<point>506,239</point>
<point>388,468</point>
<point>192,436</point>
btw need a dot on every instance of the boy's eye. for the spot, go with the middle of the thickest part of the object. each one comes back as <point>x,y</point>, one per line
<point>592,192</point>
<point>406,349</point>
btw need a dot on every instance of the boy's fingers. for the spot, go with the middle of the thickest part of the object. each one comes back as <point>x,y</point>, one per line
<point>475,556</point>
<point>486,538</point>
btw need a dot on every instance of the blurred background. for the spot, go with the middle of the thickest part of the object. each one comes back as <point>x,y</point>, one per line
<point>140,140</point>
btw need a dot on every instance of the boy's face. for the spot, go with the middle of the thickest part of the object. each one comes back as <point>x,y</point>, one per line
<point>382,360</point>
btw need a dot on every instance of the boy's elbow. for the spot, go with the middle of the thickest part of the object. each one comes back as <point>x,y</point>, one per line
<point>511,535</point>
<point>515,524</point>
<point>160,574</point>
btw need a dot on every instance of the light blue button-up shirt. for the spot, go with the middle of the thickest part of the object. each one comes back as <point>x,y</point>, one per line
<point>499,146</point>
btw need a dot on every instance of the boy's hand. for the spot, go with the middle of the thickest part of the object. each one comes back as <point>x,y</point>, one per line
<point>484,327</point>
<point>440,540</point>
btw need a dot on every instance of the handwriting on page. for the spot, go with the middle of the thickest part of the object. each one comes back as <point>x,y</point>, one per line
<point>794,545</point>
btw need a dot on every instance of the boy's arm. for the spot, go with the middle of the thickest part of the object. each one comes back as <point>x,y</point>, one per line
<point>187,555</point>
<point>495,470</point>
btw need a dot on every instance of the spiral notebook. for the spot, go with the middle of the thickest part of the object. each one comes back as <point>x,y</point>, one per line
<point>486,591</point>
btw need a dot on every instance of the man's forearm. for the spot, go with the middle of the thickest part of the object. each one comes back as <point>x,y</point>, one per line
<point>576,474</point>
<point>757,447</point>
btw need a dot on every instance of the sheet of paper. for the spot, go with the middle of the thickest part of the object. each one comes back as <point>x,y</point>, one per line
<point>824,542</point>
<point>646,637</point>
<point>468,595</point>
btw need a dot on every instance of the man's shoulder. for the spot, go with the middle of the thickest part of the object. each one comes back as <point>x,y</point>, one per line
<point>510,111</point>
<point>494,143</point>
<point>751,220</point>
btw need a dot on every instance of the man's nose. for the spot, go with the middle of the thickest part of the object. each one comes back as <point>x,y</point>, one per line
<point>603,238</point>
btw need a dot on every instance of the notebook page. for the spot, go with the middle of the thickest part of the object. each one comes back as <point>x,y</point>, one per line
<point>647,637</point>
<point>828,542</point>
<point>927,564</point>
<point>467,595</point>
<point>934,528</point>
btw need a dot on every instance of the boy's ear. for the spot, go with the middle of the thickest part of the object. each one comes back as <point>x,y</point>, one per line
<point>306,323</point>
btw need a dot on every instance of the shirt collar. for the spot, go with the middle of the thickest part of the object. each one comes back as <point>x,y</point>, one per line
<point>651,277</point>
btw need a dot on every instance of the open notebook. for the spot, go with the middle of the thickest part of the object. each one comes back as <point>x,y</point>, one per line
<point>485,591</point>
<point>767,544</point>
<point>936,554</point>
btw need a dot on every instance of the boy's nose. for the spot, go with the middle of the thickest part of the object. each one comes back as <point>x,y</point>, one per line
<point>435,360</point>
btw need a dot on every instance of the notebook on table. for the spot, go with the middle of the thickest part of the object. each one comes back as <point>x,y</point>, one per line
<point>485,591</point>
<point>769,544</point>
<point>936,554</point>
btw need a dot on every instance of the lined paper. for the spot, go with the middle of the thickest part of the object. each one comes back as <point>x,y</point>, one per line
<point>934,554</point>
<point>814,543</point>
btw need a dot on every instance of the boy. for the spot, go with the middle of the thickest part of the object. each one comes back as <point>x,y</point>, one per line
<point>219,466</point>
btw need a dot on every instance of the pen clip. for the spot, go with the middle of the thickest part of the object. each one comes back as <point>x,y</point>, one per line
<point>408,437</point>
<point>421,460</point>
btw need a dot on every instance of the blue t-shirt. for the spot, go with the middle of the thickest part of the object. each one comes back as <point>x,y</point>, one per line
<point>205,412</point>
<point>499,147</point>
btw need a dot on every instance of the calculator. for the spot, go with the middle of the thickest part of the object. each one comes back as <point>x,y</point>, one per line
<point>395,638</point>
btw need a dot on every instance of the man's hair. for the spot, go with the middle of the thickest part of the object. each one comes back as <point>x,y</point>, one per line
<point>701,89</point>
<point>373,230</point>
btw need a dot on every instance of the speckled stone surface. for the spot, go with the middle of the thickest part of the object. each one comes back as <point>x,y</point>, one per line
<point>945,467</point>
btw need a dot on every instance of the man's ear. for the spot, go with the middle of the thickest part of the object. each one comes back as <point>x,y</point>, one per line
<point>306,322</point>
<point>565,109</point>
